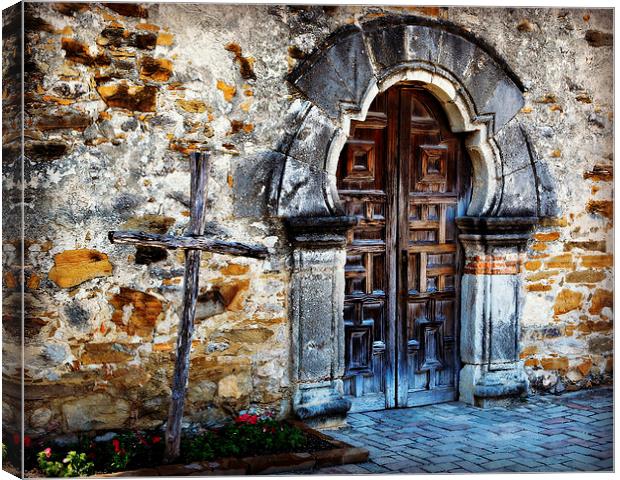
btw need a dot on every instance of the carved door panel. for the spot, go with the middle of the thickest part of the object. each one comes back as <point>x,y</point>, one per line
<point>432,193</point>
<point>399,174</point>
<point>366,184</point>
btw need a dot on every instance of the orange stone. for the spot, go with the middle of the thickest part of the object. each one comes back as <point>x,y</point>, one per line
<point>34,281</point>
<point>601,207</point>
<point>165,39</point>
<point>585,366</point>
<point>135,312</point>
<point>147,26</point>
<point>555,363</point>
<point>531,362</point>
<point>538,287</point>
<point>601,299</point>
<point>135,98</point>
<point>234,269</point>
<point>529,350</point>
<point>533,265</point>
<point>192,106</point>
<point>541,275</point>
<point>597,261</point>
<point>232,293</point>
<point>73,267</point>
<point>106,353</point>
<point>9,280</point>
<point>229,91</point>
<point>566,301</point>
<point>157,69</point>
<point>547,237</point>
<point>585,276</point>
<point>564,260</point>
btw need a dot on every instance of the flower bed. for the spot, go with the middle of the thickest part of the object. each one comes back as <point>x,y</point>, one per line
<point>250,444</point>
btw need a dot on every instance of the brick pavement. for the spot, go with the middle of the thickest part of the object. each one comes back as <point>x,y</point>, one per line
<point>571,432</point>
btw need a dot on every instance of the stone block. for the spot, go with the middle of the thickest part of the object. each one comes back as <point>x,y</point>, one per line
<point>110,352</point>
<point>338,72</point>
<point>135,312</point>
<point>302,190</point>
<point>520,197</point>
<point>95,412</point>
<point>249,180</point>
<point>566,301</point>
<point>312,140</point>
<point>601,299</point>
<point>73,267</point>
<point>135,98</point>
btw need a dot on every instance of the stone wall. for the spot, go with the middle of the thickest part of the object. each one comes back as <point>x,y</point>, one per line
<point>117,95</point>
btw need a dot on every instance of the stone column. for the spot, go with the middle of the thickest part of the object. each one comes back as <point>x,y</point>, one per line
<point>491,301</point>
<point>317,298</point>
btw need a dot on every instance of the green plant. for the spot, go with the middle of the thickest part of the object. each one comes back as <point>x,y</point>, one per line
<point>73,465</point>
<point>199,448</point>
<point>247,435</point>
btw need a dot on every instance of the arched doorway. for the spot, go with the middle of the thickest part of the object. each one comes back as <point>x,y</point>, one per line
<point>334,87</point>
<point>406,177</point>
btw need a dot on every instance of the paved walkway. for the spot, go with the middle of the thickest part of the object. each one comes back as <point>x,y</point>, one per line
<point>572,432</point>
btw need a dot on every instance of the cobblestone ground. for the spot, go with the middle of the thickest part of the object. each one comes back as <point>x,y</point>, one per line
<point>571,432</point>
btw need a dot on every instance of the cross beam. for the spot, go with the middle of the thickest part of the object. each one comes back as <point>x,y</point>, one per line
<point>186,242</point>
<point>193,242</point>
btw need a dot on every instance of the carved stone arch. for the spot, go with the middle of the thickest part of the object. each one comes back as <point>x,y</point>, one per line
<point>481,96</point>
<point>341,77</point>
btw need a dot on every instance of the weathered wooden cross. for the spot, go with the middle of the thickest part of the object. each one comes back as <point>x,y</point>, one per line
<point>192,242</point>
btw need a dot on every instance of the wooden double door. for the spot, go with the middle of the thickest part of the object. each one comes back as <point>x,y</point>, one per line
<point>405,175</point>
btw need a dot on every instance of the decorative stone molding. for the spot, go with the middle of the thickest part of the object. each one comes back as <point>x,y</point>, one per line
<point>479,91</point>
<point>317,296</point>
<point>481,96</point>
<point>491,308</point>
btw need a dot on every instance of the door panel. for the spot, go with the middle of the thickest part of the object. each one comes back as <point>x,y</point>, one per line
<point>365,185</point>
<point>402,173</point>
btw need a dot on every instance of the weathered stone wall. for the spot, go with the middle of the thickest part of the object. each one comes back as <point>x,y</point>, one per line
<point>117,95</point>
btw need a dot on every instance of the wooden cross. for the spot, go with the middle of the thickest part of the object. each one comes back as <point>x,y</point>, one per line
<point>192,242</point>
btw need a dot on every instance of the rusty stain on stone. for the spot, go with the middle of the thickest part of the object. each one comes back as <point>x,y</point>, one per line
<point>78,52</point>
<point>135,312</point>
<point>157,69</point>
<point>130,97</point>
<point>246,64</point>
<point>604,208</point>
<point>128,9</point>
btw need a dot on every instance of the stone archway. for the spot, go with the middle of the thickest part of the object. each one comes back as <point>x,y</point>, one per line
<point>511,190</point>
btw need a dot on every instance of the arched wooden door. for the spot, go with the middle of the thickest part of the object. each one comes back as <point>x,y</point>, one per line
<point>405,175</point>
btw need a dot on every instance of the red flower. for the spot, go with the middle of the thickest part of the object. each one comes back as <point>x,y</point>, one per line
<point>117,445</point>
<point>27,441</point>
<point>247,418</point>
<point>156,439</point>
<point>16,438</point>
<point>48,452</point>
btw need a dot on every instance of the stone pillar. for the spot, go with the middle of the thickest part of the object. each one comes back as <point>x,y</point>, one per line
<point>491,299</point>
<point>317,298</point>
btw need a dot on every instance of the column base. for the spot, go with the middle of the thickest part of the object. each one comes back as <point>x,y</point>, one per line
<point>321,405</point>
<point>493,386</point>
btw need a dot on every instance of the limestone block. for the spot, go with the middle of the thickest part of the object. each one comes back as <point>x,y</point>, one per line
<point>95,412</point>
<point>338,72</point>
<point>234,386</point>
<point>302,190</point>
<point>40,417</point>
<point>313,139</point>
